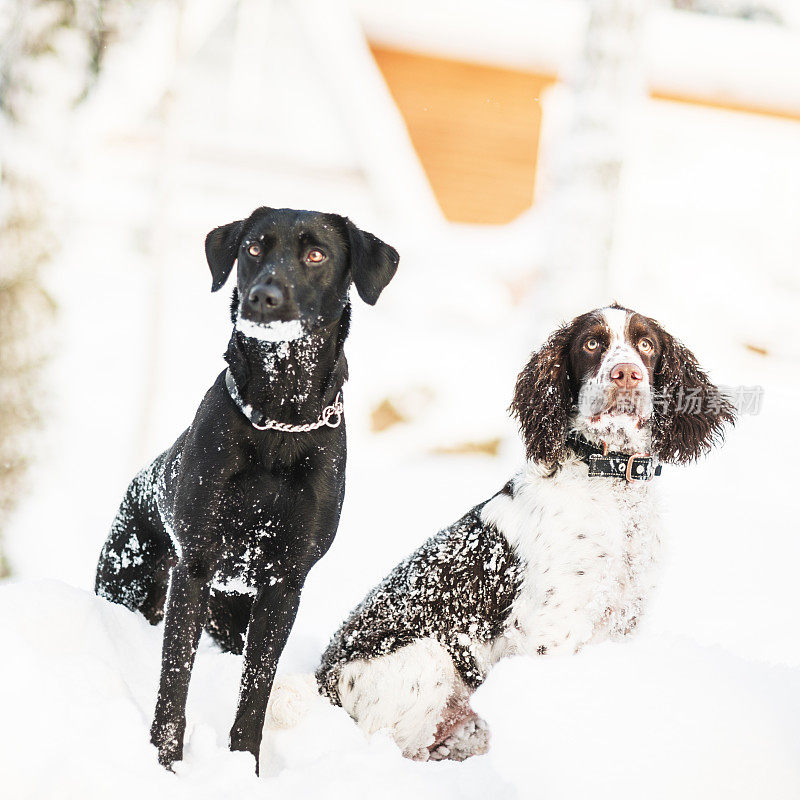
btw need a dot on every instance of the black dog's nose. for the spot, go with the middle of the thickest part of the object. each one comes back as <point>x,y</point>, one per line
<point>265,297</point>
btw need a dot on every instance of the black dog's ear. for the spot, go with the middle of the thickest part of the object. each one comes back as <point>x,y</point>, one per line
<point>222,247</point>
<point>373,263</point>
<point>689,413</point>
<point>543,399</point>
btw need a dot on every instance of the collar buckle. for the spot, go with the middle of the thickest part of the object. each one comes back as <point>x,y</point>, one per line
<point>333,411</point>
<point>640,468</point>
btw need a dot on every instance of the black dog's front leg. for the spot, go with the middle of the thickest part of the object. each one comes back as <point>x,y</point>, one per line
<point>186,610</point>
<point>196,497</point>
<point>271,621</point>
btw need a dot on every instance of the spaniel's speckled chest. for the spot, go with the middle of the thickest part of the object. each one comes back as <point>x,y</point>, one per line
<point>588,547</point>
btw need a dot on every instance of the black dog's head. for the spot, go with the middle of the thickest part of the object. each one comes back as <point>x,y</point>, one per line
<point>295,269</point>
<point>614,373</point>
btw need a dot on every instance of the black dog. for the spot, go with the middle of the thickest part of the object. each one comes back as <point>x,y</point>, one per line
<point>224,526</point>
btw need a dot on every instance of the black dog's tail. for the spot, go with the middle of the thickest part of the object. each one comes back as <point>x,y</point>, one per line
<point>291,700</point>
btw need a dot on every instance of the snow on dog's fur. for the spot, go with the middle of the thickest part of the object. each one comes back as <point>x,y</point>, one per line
<point>555,560</point>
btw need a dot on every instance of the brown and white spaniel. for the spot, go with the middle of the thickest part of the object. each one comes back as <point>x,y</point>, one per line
<point>560,557</point>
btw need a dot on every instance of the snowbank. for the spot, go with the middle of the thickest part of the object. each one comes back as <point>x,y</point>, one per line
<point>653,717</point>
<point>656,717</point>
<point>78,689</point>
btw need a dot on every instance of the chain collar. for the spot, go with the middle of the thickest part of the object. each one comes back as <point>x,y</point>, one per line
<point>330,417</point>
<point>604,464</point>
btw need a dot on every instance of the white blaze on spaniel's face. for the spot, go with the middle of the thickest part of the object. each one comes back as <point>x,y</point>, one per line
<point>618,376</point>
<point>612,360</point>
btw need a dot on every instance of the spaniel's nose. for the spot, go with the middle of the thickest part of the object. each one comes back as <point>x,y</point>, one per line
<point>626,376</point>
<point>264,297</point>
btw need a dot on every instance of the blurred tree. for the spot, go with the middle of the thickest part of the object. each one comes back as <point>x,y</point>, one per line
<point>758,10</point>
<point>24,307</point>
<point>50,55</point>
<point>607,86</point>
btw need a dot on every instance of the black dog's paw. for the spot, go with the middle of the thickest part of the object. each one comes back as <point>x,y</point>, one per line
<point>168,740</point>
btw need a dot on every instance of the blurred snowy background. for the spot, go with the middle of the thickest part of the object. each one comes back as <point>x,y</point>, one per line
<point>530,159</point>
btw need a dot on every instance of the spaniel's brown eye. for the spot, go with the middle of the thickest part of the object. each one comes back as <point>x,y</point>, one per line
<point>646,346</point>
<point>591,344</point>
<point>315,256</point>
<point>254,249</point>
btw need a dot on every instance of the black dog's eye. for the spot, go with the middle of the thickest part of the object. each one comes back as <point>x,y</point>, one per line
<point>315,256</point>
<point>591,344</point>
<point>254,249</point>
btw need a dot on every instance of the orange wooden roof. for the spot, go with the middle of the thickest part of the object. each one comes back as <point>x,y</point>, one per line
<point>475,128</point>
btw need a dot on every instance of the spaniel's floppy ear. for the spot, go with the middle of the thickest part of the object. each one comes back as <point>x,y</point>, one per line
<point>543,399</point>
<point>689,413</point>
<point>373,263</point>
<point>222,247</point>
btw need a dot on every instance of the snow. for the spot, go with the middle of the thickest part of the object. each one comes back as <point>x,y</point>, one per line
<point>702,702</point>
<point>93,667</point>
<point>660,717</point>
<point>745,63</point>
<point>272,332</point>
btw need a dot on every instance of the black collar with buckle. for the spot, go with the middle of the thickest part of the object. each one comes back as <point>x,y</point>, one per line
<point>605,464</point>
